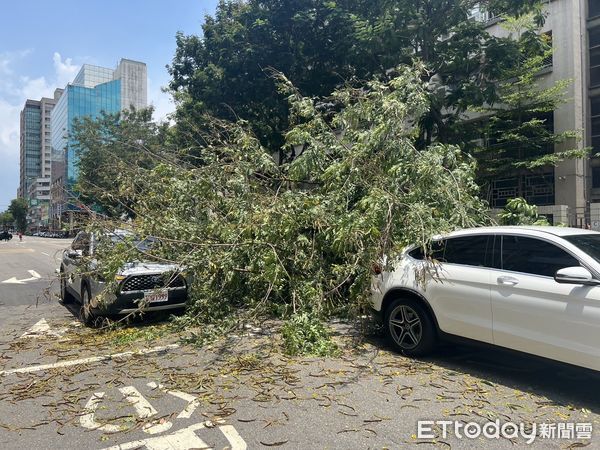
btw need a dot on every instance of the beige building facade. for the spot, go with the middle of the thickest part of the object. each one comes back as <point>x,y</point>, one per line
<point>570,192</point>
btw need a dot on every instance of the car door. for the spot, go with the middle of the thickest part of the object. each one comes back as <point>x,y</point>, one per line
<point>458,286</point>
<point>535,314</point>
<point>72,259</point>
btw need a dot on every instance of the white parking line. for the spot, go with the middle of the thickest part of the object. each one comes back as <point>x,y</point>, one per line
<point>92,359</point>
<point>193,402</point>
<point>144,410</point>
<point>185,439</point>
<point>87,420</point>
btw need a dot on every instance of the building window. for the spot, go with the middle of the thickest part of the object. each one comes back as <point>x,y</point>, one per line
<point>537,189</point>
<point>595,177</point>
<point>480,14</point>
<point>595,113</point>
<point>594,8</point>
<point>594,37</point>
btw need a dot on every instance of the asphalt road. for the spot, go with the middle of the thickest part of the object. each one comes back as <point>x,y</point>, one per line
<point>18,258</point>
<point>64,386</point>
<point>27,276</point>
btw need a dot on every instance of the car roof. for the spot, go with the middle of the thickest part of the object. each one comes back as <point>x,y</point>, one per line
<point>524,229</point>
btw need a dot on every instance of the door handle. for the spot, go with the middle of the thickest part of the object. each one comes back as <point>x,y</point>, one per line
<point>508,281</point>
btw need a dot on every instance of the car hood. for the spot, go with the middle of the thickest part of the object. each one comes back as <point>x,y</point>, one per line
<point>137,268</point>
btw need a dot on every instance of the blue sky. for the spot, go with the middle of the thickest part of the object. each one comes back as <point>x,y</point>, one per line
<point>44,43</point>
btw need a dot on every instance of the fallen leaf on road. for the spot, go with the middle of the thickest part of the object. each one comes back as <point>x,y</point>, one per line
<point>274,444</point>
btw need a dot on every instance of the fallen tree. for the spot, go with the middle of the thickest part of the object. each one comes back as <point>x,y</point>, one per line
<point>301,237</point>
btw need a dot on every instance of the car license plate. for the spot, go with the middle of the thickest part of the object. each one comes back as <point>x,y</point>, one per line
<point>156,296</point>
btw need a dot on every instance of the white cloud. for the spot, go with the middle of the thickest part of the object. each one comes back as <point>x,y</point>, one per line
<point>7,59</point>
<point>9,152</point>
<point>5,65</point>
<point>9,126</point>
<point>65,70</point>
<point>36,88</point>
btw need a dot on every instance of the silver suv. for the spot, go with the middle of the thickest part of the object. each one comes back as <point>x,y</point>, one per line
<point>141,286</point>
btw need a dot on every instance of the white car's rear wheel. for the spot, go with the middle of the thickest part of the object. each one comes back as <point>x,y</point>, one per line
<point>409,327</point>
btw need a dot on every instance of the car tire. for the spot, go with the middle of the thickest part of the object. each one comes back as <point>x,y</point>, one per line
<point>85,314</point>
<point>409,327</point>
<point>65,296</point>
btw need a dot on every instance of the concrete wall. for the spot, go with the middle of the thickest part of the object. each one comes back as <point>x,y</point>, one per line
<point>134,85</point>
<point>567,19</point>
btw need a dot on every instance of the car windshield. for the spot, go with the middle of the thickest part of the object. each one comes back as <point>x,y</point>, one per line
<point>142,245</point>
<point>589,243</point>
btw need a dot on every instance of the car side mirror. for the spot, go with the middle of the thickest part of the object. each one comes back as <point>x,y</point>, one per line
<point>74,253</point>
<point>575,275</point>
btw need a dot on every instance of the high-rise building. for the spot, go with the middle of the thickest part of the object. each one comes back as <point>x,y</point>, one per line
<point>95,90</point>
<point>30,161</point>
<point>35,149</point>
<point>570,192</point>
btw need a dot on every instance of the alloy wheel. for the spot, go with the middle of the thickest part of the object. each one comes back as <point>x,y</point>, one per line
<point>405,327</point>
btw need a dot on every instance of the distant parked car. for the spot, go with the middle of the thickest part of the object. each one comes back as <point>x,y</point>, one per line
<point>531,289</point>
<point>5,236</point>
<point>141,285</point>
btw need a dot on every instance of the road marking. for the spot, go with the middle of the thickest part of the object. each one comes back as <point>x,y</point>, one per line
<point>231,434</point>
<point>34,277</point>
<point>92,359</point>
<point>193,402</point>
<point>43,329</point>
<point>16,250</point>
<point>185,439</point>
<point>44,253</point>
<point>40,329</point>
<point>88,420</point>
<point>144,410</point>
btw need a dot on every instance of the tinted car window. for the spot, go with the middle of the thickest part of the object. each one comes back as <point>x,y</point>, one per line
<point>589,243</point>
<point>81,241</point>
<point>435,252</point>
<point>468,250</point>
<point>534,256</point>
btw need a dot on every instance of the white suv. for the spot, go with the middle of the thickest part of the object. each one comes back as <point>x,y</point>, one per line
<point>531,289</point>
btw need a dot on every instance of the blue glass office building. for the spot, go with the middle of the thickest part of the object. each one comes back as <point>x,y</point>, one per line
<point>93,91</point>
<point>76,102</point>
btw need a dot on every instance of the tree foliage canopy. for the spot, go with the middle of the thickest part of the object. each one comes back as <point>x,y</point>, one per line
<point>18,209</point>
<point>302,237</point>
<point>321,45</point>
<point>363,99</point>
<point>518,212</point>
<point>6,219</point>
<point>107,147</point>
